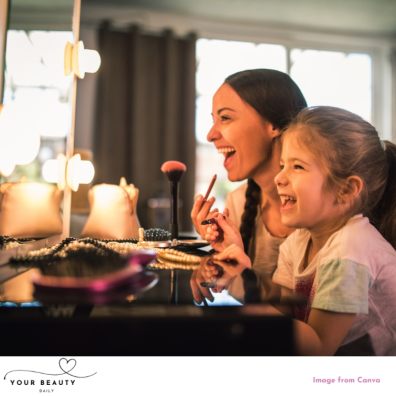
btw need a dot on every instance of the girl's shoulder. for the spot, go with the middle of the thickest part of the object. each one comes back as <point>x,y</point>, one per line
<point>360,242</point>
<point>296,241</point>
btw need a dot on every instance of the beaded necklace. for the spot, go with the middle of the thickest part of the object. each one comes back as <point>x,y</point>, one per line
<point>72,247</point>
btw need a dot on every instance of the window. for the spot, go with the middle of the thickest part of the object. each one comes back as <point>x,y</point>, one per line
<point>333,78</point>
<point>216,60</point>
<point>37,102</point>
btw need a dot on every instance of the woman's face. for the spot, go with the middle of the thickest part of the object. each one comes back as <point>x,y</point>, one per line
<point>240,134</point>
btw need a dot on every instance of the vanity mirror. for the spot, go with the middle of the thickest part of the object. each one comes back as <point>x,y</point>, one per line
<point>4,7</point>
<point>36,122</point>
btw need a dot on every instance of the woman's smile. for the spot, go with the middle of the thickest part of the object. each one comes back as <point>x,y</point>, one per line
<point>240,134</point>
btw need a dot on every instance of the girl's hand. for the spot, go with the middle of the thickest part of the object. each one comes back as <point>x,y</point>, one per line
<point>201,211</point>
<point>207,278</point>
<point>233,260</point>
<point>224,233</point>
<point>198,288</point>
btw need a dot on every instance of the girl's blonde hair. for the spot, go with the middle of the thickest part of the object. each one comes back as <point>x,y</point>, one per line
<point>347,145</point>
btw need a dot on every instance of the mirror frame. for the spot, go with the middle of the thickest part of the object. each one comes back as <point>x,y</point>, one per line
<point>4,19</point>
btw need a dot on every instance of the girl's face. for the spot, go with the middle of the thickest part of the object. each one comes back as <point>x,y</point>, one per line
<point>240,134</point>
<point>305,200</point>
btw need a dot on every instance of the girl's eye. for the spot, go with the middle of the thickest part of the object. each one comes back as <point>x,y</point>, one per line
<point>281,166</point>
<point>296,166</point>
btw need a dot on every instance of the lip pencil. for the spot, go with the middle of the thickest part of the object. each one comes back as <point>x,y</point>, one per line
<point>212,182</point>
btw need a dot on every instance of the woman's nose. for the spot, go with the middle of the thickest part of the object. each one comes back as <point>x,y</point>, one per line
<point>213,134</point>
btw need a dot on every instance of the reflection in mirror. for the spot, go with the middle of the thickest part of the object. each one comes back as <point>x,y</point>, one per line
<point>36,96</point>
<point>36,116</point>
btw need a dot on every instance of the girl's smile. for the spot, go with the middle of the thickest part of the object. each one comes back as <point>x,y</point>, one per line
<point>306,201</point>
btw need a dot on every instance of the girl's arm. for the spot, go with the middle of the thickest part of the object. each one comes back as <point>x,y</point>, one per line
<point>324,332</point>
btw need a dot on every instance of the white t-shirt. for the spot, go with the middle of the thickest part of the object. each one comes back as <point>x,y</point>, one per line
<point>354,272</point>
<point>265,248</point>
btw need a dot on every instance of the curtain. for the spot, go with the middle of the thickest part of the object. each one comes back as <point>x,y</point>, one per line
<point>146,113</point>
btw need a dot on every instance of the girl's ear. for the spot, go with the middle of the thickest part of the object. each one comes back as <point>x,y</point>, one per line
<point>350,190</point>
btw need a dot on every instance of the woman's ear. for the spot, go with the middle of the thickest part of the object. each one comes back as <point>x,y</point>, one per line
<point>350,190</point>
<point>274,132</point>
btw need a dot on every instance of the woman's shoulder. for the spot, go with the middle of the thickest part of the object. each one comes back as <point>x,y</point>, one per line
<point>235,202</point>
<point>238,192</point>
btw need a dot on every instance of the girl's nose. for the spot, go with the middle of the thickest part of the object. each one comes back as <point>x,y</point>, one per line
<point>213,134</point>
<point>280,179</point>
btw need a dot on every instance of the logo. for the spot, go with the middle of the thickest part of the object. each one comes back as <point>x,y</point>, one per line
<point>66,375</point>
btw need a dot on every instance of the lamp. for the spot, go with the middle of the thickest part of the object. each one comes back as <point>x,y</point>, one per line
<point>80,60</point>
<point>71,173</point>
<point>19,138</point>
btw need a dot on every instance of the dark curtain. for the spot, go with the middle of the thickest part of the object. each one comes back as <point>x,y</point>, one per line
<point>146,113</point>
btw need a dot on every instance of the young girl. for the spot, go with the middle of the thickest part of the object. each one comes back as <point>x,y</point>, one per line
<point>336,176</point>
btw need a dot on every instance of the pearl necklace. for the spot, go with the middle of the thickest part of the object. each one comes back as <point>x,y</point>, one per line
<point>167,258</point>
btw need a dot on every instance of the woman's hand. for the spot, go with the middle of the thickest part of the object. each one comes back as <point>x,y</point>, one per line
<point>223,233</point>
<point>201,211</point>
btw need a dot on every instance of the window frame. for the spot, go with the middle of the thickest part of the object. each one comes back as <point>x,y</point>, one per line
<point>380,49</point>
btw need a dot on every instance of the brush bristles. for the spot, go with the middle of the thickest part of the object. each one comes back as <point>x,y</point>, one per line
<point>174,170</point>
<point>170,166</point>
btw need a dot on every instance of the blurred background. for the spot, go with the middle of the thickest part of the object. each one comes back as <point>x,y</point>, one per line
<point>162,60</point>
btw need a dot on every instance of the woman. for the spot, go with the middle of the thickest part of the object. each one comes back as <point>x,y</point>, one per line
<point>250,109</point>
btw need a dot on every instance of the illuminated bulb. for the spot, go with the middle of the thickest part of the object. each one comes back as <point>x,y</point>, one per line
<point>7,166</point>
<point>20,141</point>
<point>78,172</point>
<point>89,60</point>
<point>86,172</point>
<point>7,163</point>
<point>80,60</point>
<point>26,147</point>
<point>53,171</point>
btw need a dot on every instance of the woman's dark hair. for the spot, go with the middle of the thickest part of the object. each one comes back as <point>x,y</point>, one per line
<point>277,98</point>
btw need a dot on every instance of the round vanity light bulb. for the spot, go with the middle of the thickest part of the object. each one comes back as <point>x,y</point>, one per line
<point>49,171</point>
<point>79,172</point>
<point>18,126</point>
<point>7,166</point>
<point>86,172</point>
<point>89,61</point>
<point>53,171</point>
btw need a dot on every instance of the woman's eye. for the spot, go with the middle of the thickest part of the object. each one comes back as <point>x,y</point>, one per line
<point>224,118</point>
<point>296,166</point>
<point>281,166</point>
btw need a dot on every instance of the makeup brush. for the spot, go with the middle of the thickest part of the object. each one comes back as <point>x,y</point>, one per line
<point>174,171</point>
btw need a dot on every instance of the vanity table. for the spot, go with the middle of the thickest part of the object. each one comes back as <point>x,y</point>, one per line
<point>127,324</point>
<point>135,321</point>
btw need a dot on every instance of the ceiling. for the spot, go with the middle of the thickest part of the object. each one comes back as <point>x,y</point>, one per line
<point>370,16</point>
<point>373,17</point>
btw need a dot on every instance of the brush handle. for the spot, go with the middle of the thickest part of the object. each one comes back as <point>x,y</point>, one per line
<point>174,228</point>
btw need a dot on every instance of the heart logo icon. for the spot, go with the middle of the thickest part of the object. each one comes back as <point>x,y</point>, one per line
<point>67,365</point>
